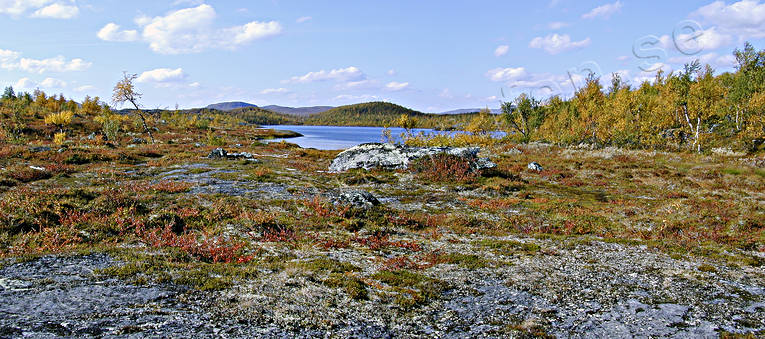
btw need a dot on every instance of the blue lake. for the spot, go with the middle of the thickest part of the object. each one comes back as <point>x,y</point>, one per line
<point>341,137</point>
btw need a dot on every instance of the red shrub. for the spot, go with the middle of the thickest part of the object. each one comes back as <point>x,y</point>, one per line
<point>279,235</point>
<point>445,168</point>
<point>331,243</point>
<point>209,249</point>
<point>171,186</point>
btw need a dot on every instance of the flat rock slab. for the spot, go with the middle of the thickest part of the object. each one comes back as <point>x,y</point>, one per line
<point>61,296</point>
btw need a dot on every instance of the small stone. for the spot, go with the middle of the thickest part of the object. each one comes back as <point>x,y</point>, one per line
<point>40,149</point>
<point>138,141</point>
<point>356,198</point>
<point>513,151</point>
<point>217,153</point>
<point>535,167</point>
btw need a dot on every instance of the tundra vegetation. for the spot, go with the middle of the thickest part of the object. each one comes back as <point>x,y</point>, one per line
<point>171,215</point>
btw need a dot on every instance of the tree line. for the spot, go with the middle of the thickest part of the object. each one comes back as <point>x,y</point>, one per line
<point>689,109</point>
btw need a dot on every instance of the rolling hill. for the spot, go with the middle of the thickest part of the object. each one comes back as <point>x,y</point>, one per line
<point>366,114</point>
<point>298,111</point>
<point>230,105</point>
<point>259,116</point>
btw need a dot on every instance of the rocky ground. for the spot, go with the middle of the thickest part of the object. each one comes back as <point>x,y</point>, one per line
<point>590,244</point>
<point>586,289</point>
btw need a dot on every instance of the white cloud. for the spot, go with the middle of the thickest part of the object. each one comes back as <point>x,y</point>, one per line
<point>8,56</point>
<point>392,72</point>
<point>506,74</point>
<point>29,84</point>
<point>274,91</point>
<point>655,67</point>
<point>303,19</point>
<point>111,32</point>
<point>745,18</point>
<point>19,7</point>
<point>712,59</point>
<point>557,25</point>
<point>727,60</point>
<point>555,43</point>
<point>162,75</point>
<point>52,83</point>
<point>396,86</point>
<point>501,50</point>
<point>350,97</point>
<point>240,35</point>
<point>191,30</point>
<point>705,40</point>
<point>348,74</point>
<point>693,43</point>
<point>57,11</point>
<point>604,11</point>
<point>360,84</point>
<point>622,58</point>
<point>142,20</point>
<point>10,60</point>
<point>25,83</point>
<point>84,88</point>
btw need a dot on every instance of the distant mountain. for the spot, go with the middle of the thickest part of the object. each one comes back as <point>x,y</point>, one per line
<point>298,111</point>
<point>230,105</point>
<point>471,110</point>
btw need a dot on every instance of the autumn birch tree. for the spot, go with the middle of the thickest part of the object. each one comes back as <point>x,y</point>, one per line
<point>124,91</point>
<point>704,95</point>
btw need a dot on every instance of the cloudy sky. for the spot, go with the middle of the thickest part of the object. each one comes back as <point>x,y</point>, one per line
<point>428,55</point>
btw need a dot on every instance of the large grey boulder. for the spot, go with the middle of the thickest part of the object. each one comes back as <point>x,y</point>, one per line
<point>390,156</point>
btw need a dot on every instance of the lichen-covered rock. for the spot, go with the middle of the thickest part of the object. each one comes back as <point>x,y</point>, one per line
<point>390,156</point>
<point>217,153</point>
<point>356,198</point>
<point>220,153</point>
<point>39,149</point>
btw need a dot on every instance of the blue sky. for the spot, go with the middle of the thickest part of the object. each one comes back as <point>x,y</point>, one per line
<point>432,56</point>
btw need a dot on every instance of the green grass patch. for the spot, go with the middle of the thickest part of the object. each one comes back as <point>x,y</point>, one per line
<point>414,289</point>
<point>327,265</point>
<point>353,286</point>
<point>760,172</point>
<point>174,267</point>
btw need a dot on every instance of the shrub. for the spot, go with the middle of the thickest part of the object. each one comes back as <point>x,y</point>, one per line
<point>110,124</point>
<point>59,119</point>
<point>26,174</point>
<point>59,138</point>
<point>445,168</point>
